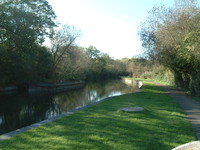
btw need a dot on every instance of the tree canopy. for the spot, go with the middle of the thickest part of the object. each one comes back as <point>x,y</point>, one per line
<point>24,26</point>
<point>170,36</point>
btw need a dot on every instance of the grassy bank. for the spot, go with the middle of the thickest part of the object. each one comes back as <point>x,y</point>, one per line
<point>104,126</point>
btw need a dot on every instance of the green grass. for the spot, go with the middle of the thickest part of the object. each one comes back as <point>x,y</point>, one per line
<point>185,91</point>
<point>104,126</point>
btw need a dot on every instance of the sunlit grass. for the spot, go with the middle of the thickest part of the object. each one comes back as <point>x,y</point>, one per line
<point>104,126</point>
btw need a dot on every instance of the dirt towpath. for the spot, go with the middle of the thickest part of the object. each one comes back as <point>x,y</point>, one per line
<point>190,106</point>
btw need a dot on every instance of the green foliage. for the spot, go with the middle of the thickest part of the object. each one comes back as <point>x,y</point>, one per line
<point>61,43</point>
<point>102,66</point>
<point>22,68</point>
<point>24,25</point>
<point>73,65</point>
<point>93,52</point>
<point>147,69</point>
<point>25,22</point>
<point>104,126</point>
<point>175,42</point>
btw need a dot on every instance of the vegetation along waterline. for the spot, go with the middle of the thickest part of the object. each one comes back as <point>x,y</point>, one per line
<point>170,38</point>
<point>104,126</point>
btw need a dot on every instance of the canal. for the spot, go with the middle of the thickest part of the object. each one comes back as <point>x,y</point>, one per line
<point>23,109</point>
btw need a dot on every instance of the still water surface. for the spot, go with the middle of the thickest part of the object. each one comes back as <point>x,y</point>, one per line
<point>20,110</point>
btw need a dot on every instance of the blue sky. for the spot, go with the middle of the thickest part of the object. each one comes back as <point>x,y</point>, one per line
<point>109,25</point>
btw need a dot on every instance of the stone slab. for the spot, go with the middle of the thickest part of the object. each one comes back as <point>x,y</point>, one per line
<point>132,109</point>
<point>195,145</point>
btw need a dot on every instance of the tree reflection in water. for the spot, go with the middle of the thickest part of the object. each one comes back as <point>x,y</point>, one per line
<point>19,110</point>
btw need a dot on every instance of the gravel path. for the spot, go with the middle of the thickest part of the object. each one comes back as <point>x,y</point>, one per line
<point>190,106</point>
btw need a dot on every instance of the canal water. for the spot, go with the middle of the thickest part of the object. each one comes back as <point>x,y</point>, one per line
<point>23,109</point>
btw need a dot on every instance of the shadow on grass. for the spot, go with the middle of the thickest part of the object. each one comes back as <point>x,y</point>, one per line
<point>104,126</point>
<point>99,133</point>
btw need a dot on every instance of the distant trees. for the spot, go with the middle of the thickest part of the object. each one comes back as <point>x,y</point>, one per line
<point>74,64</point>
<point>24,26</point>
<point>137,67</point>
<point>78,63</point>
<point>171,36</point>
<point>62,42</point>
<point>102,66</point>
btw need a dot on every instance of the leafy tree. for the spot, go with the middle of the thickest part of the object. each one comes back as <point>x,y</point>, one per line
<point>97,64</point>
<point>23,27</point>
<point>93,52</point>
<point>25,22</point>
<point>102,66</point>
<point>61,43</point>
<point>74,64</point>
<point>170,35</point>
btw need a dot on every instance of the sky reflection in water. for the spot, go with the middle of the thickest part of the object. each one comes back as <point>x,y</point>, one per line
<point>19,110</point>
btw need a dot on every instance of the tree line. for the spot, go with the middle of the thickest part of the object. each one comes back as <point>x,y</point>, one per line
<point>170,36</point>
<point>24,26</point>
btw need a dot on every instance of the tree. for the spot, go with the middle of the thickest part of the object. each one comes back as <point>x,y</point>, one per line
<point>61,43</point>
<point>102,66</point>
<point>74,64</point>
<point>97,64</point>
<point>93,52</point>
<point>25,22</point>
<point>24,25</point>
<point>171,35</point>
